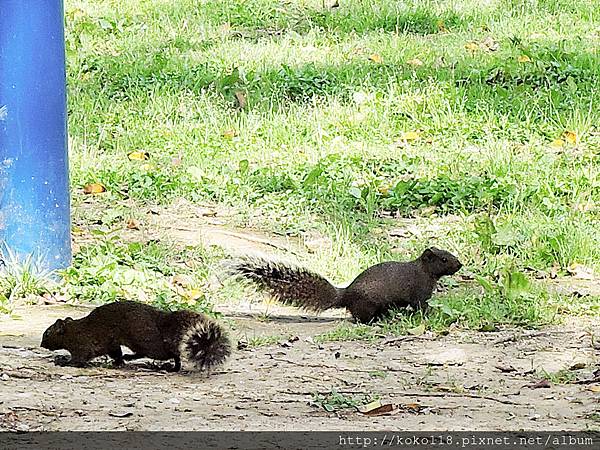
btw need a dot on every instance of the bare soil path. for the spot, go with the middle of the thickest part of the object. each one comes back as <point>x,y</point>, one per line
<point>462,381</point>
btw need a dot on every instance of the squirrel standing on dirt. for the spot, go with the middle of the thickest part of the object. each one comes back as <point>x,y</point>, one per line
<point>145,330</point>
<point>375,291</point>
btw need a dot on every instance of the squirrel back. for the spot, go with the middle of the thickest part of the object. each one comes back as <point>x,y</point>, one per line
<point>145,330</point>
<point>372,293</point>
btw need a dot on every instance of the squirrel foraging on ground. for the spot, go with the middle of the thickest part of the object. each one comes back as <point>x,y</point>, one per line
<point>372,293</point>
<point>147,331</point>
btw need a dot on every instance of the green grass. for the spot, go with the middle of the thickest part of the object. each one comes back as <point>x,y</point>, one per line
<point>317,145</point>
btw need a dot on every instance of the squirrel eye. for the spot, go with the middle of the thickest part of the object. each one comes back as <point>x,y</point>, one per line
<point>445,259</point>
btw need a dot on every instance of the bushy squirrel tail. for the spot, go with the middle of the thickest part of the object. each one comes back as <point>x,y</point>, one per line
<point>287,283</point>
<point>206,344</point>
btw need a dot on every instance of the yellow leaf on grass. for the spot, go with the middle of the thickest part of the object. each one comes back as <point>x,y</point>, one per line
<point>410,136</point>
<point>376,58</point>
<point>94,188</point>
<point>148,167</point>
<point>570,137</point>
<point>472,46</point>
<point>524,59</point>
<point>415,62</point>
<point>557,143</point>
<point>133,224</point>
<point>193,294</point>
<point>139,156</point>
<point>441,26</point>
<point>229,134</point>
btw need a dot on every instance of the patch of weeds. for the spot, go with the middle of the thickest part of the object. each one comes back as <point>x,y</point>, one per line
<point>264,341</point>
<point>350,332</point>
<point>336,401</point>
<point>151,272</point>
<point>563,376</point>
<point>378,374</point>
<point>21,279</point>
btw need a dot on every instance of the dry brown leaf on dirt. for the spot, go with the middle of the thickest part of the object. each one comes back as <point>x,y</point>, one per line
<point>94,188</point>
<point>377,408</point>
<point>376,58</point>
<point>542,384</point>
<point>133,224</point>
<point>505,369</point>
<point>578,366</point>
<point>594,389</point>
<point>120,414</point>
<point>139,156</point>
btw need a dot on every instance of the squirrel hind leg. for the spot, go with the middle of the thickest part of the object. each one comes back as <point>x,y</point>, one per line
<point>117,355</point>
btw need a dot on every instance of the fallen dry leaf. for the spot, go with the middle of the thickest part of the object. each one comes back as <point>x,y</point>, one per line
<point>557,143</point>
<point>505,369</point>
<point>441,26</point>
<point>193,294</point>
<point>523,59</point>
<point>133,224</point>
<point>542,384</point>
<point>139,156</point>
<point>94,188</point>
<point>415,62</point>
<point>472,46</point>
<point>376,58</point>
<point>410,136</point>
<point>120,414</point>
<point>578,366</point>
<point>571,137</point>
<point>594,389</point>
<point>376,408</point>
<point>229,134</point>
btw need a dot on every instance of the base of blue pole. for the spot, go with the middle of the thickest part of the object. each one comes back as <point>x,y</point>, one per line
<point>34,184</point>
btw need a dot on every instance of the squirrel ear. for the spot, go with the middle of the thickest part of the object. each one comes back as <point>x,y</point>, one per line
<point>428,253</point>
<point>68,319</point>
<point>59,326</point>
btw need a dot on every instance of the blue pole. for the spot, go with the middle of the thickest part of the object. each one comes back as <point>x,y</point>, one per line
<point>34,181</point>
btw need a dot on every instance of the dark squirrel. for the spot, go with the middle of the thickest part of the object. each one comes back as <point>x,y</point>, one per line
<point>370,296</point>
<point>145,330</point>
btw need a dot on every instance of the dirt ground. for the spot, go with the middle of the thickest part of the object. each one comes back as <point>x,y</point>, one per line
<point>462,381</point>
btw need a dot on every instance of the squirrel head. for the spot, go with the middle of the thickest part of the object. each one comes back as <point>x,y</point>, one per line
<point>54,336</point>
<point>439,262</point>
